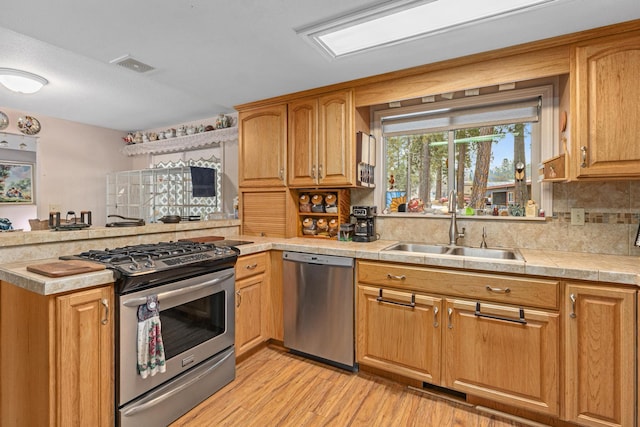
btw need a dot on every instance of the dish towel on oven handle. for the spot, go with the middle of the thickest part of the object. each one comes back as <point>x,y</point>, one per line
<point>150,347</point>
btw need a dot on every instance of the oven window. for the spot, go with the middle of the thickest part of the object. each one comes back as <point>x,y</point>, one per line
<point>188,325</point>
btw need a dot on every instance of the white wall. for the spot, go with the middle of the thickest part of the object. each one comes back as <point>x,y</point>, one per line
<point>73,160</point>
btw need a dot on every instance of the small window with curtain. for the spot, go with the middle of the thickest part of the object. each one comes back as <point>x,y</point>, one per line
<point>486,149</point>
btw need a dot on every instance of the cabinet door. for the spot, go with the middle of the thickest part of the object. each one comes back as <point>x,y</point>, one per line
<point>398,338</point>
<point>84,358</point>
<point>264,213</point>
<point>336,139</point>
<point>599,350</point>
<point>249,319</point>
<point>262,133</point>
<point>606,93</point>
<point>303,143</point>
<point>514,363</point>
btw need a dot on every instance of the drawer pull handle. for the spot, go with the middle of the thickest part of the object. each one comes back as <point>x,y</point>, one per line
<point>239,299</point>
<point>521,320</point>
<point>583,152</point>
<point>313,172</point>
<point>572,297</point>
<point>392,277</point>
<point>105,304</point>
<point>498,290</point>
<point>412,304</point>
<point>435,317</point>
<point>449,313</point>
<point>251,266</point>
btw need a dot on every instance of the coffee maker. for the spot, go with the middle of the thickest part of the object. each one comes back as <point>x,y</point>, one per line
<point>365,223</point>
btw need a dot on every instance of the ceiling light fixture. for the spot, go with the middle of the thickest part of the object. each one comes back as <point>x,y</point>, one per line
<point>392,22</point>
<point>21,81</point>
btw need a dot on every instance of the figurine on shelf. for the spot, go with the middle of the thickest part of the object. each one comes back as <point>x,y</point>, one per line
<point>222,122</point>
<point>137,138</point>
<point>128,139</point>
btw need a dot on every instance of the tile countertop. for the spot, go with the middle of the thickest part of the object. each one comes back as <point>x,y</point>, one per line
<point>565,265</point>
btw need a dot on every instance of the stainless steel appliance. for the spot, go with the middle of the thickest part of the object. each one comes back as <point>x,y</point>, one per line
<point>194,284</point>
<point>319,307</point>
<point>365,223</point>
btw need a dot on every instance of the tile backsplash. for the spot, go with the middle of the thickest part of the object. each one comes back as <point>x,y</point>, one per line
<point>612,218</point>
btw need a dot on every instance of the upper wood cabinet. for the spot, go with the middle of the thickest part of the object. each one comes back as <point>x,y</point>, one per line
<point>599,348</point>
<point>262,135</point>
<point>321,146</point>
<point>605,91</point>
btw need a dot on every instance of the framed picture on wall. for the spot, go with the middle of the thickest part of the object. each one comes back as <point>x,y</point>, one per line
<point>16,183</point>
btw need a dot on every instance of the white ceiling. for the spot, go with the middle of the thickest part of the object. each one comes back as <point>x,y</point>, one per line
<point>210,55</point>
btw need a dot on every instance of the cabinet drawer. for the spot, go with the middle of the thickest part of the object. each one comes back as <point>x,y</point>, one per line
<point>488,287</point>
<point>250,265</point>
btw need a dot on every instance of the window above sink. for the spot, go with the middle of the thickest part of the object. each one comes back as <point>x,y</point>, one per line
<point>486,147</point>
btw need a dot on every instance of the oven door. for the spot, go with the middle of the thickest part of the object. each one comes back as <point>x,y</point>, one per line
<point>197,322</point>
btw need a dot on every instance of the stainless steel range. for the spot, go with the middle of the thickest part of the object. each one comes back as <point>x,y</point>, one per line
<point>194,287</point>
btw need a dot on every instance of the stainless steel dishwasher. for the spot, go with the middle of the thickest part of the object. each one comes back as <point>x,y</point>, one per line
<point>319,307</point>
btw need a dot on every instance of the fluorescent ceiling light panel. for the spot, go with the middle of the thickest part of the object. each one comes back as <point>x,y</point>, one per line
<point>393,22</point>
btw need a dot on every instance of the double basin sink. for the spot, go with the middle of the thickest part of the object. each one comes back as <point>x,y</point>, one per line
<point>491,253</point>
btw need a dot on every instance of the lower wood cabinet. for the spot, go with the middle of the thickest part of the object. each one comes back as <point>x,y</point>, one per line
<point>503,353</point>
<point>56,358</point>
<point>495,343</point>
<point>399,332</point>
<point>600,351</point>
<point>251,296</point>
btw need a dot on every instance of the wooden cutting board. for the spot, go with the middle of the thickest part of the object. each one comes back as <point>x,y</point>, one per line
<point>65,268</point>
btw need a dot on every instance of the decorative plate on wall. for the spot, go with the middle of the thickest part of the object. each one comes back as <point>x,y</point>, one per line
<point>4,120</point>
<point>28,125</point>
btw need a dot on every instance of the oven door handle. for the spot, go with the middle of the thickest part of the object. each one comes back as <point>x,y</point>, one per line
<point>135,302</point>
<point>156,400</point>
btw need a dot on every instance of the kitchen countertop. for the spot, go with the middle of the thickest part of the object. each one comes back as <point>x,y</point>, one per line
<point>566,265</point>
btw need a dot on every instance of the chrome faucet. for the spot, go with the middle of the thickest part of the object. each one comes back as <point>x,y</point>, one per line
<point>454,234</point>
<point>483,244</point>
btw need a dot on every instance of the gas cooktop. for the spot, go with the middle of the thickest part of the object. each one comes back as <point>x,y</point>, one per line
<point>158,257</point>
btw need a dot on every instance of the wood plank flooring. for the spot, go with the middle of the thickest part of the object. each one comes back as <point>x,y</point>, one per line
<point>276,388</point>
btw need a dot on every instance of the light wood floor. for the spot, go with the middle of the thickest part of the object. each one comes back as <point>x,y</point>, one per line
<point>276,388</point>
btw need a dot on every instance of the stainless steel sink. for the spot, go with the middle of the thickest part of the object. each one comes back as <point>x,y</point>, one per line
<point>417,247</point>
<point>491,253</point>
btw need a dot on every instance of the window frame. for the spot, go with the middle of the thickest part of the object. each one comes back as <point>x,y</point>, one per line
<point>549,140</point>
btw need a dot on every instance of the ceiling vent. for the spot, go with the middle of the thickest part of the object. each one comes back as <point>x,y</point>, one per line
<point>132,64</point>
